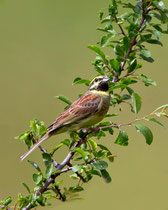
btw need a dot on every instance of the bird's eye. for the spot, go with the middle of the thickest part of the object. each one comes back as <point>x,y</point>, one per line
<point>96,80</point>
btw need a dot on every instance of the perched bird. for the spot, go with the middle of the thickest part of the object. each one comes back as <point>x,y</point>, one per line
<point>88,110</point>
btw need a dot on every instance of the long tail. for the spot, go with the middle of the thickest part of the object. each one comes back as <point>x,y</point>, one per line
<point>46,136</point>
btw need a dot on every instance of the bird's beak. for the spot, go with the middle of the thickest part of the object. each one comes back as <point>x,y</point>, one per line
<point>105,79</point>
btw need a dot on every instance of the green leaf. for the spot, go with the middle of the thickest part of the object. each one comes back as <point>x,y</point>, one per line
<point>146,132</point>
<point>122,86</point>
<point>105,39</point>
<point>37,178</point>
<point>105,176</point>
<point>136,102</point>
<point>76,168</point>
<point>34,165</point>
<point>112,115</point>
<point>115,65</point>
<point>27,188</point>
<point>66,142</point>
<point>145,52</point>
<point>122,138</point>
<point>100,15</point>
<point>64,99</point>
<point>92,144</point>
<point>148,59</point>
<point>79,80</point>
<point>99,165</point>
<point>80,151</point>
<point>119,50</point>
<point>46,158</point>
<point>111,159</point>
<point>159,4</point>
<point>154,41</point>
<point>147,80</point>
<point>156,121</point>
<point>133,66</point>
<point>99,70</point>
<point>6,202</point>
<point>33,127</point>
<point>156,33</point>
<point>56,148</point>
<point>98,51</point>
<point>49,170</point>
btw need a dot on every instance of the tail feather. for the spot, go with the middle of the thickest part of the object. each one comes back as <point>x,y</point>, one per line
<point>34,146</point>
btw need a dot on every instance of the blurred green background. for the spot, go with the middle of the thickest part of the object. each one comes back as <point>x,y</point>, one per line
<point>43,47</point>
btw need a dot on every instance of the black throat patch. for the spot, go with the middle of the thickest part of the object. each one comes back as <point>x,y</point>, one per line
<point>103,86</point>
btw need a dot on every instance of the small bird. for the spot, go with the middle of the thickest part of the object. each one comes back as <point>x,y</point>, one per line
<point>87,110</point>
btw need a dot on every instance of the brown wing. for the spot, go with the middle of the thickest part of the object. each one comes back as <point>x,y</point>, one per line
<point>83,107</point>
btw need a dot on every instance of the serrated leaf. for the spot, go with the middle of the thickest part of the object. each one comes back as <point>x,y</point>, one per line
<point>99,165</point>
<point>49,170</point>
<point>34,165</point>
<point>106,176</point>
<point>156,121</point>
<point>146,132</point>
<point>27,188</point>
<point>136,102</point>
<point>37,178</point>
<point>98,51</point>
<point>64,99</point>
<point>122,138</point>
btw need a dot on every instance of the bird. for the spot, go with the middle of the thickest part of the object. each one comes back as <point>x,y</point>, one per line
<point>86,111</point>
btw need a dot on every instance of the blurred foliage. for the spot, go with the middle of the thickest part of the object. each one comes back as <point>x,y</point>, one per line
<point>128,36</point>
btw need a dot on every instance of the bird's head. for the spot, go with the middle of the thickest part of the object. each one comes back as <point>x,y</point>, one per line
<point>99,83</point>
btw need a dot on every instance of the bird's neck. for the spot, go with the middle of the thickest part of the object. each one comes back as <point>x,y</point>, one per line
<point>101,93</point>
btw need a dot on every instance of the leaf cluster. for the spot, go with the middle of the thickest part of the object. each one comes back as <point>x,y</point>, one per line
<point>127,36</point>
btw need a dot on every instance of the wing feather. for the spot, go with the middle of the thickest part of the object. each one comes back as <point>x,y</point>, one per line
<point>85,106</point>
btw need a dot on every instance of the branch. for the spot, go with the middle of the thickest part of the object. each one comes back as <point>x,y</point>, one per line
<point>122,30</point>
<point>45,151</point>
<point>59,193</point>
<point>134,40</point>
<point>77,173</point>
<point>59,167</point>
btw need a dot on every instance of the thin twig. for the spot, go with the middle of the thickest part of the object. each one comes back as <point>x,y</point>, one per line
<point>61,197</point>
<point>133,41</point>
<point>45,151</point>
<point>77,173</point>
<point>122,30</point>
<point>59,167</point>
